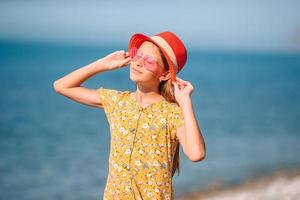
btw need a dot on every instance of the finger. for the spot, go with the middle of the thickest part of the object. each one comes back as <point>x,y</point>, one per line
<point>118,53</point>
<point>185,83</point>
<point>121,52</point>
<point>179,79</point>
<point>182,81</point>
<point>180,85</point>
<point>128,60</point>
<point>174,83</point>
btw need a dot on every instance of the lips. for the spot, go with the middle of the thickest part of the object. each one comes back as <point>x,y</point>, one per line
<point>137,70</point>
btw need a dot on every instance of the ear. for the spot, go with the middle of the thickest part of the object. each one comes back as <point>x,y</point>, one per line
<point>165,76</point>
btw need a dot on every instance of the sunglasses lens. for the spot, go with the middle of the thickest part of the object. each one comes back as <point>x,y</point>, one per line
<point>150,59</point>
<point>150,63</point>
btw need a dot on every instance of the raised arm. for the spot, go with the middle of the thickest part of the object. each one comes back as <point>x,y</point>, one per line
<point>70,85</point>
<point>189,135</point>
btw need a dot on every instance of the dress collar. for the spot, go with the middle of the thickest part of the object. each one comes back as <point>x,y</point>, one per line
<point>146,106</point>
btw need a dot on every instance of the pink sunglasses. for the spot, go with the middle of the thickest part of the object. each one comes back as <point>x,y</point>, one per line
<point>150,62</point>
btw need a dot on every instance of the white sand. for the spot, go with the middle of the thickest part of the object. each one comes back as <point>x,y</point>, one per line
<point>282,185</point>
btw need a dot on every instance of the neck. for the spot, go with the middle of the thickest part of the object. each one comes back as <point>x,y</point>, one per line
<point>147,94</point>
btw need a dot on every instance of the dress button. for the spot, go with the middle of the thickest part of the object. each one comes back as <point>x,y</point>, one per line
<point>132,130</point>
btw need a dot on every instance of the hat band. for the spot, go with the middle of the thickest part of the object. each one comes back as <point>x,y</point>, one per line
<point>165,45</point>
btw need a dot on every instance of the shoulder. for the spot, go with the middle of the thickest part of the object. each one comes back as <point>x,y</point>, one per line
<point>175,112</point>
<point>174,107</point>
<point>111,95</point>
<point>175,119</point>
<point>111,91</point>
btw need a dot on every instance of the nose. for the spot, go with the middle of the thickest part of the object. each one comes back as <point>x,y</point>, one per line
<point>139,62</point>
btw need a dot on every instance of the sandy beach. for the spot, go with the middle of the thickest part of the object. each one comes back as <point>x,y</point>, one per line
<point>282,184</point>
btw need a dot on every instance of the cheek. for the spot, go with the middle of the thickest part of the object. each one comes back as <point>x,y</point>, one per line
<point>154,70</point>
<point>150,73</point>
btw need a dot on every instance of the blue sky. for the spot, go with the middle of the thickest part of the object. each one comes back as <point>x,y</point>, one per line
<point>215,25</point>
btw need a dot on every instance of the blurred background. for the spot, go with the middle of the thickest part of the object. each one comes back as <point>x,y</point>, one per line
<point>243,61</point>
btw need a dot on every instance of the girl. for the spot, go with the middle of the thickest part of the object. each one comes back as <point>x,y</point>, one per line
<point>146,125</point>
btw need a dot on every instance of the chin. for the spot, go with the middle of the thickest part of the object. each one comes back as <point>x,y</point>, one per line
<point>138,77</point>
<point>135,77</point>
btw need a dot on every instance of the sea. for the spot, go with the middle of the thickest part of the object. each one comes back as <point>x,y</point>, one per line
<point>247,105</point>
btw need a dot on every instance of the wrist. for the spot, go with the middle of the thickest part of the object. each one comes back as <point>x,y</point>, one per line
<point>100,65</point>
<point>186,102</point>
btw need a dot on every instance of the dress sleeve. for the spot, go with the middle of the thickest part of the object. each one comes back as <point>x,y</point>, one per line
<point>176,120</point>
<point>109,98</point>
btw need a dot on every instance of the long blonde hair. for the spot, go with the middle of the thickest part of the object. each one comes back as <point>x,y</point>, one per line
<point>166,90</point>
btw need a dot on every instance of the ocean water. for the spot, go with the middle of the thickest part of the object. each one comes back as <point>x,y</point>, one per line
<point>247,106</point>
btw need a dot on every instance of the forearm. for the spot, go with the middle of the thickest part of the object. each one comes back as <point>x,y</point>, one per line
<point>77,77</point>
<point>194,141</point>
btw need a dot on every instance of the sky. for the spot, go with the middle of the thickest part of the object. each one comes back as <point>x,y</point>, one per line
<point>214,25</point>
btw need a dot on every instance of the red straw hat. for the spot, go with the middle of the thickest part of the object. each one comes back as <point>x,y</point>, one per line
<point>171,46</point>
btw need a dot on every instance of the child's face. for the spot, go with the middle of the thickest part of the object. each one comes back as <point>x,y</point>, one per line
<point>142,71</point>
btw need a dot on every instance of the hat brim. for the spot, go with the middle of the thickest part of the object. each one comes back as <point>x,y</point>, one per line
<point>137,39</point>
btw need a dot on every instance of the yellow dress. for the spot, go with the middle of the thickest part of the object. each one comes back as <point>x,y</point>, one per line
<point>142,146</point>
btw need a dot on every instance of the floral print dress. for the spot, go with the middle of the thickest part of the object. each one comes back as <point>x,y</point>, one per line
<point>142,146</point>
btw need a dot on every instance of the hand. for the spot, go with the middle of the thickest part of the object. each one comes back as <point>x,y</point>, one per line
<point>116,60</point>
<point>183,90</point>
